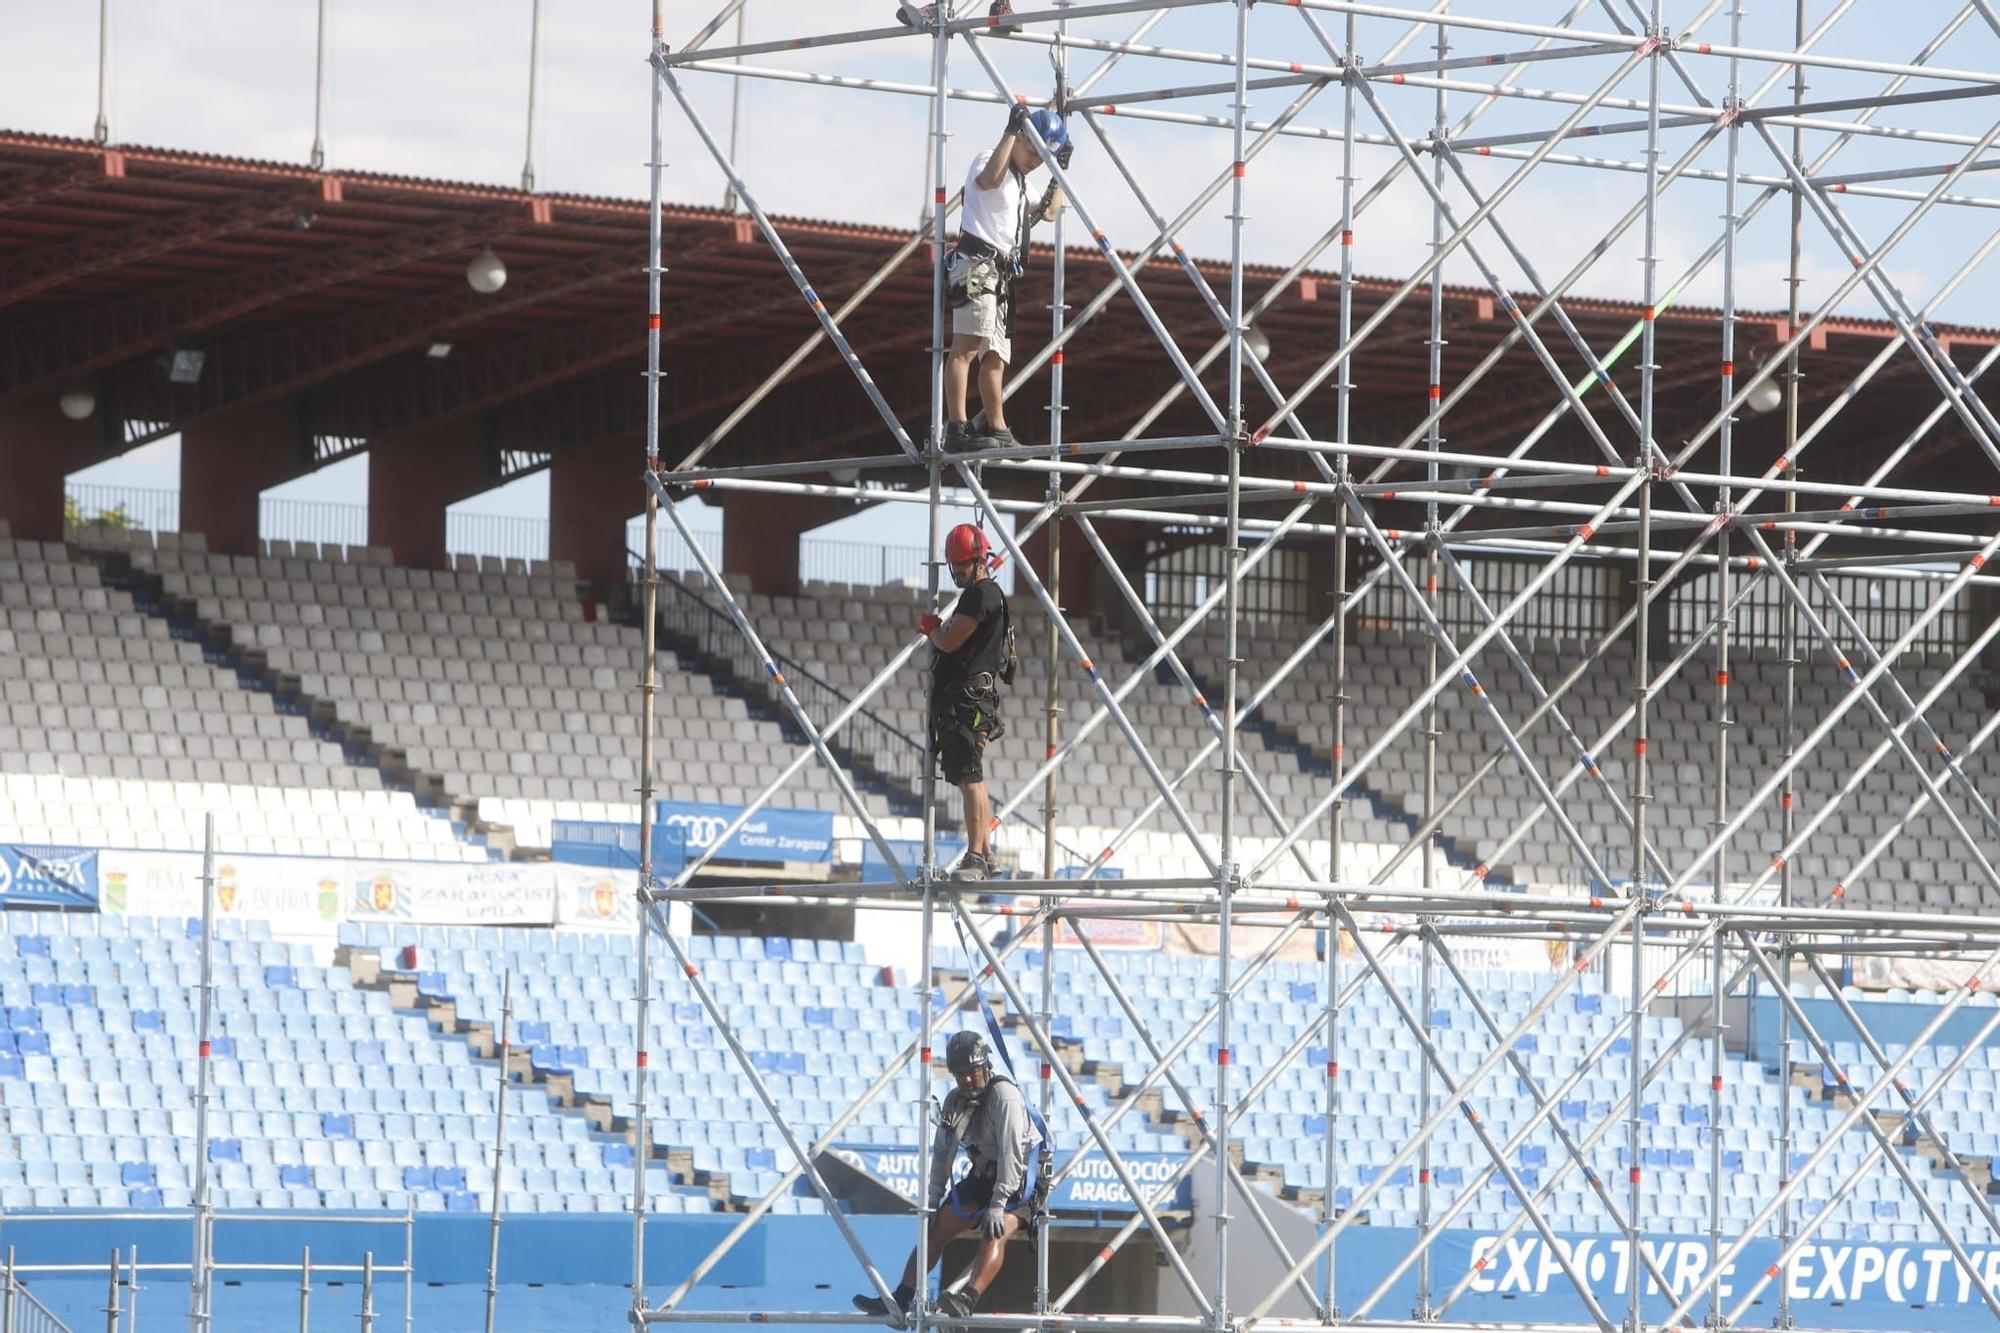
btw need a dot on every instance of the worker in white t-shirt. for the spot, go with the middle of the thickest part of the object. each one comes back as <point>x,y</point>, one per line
<point>992,242</point>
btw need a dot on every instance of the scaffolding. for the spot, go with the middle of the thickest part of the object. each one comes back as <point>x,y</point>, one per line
<point>1698,922</point>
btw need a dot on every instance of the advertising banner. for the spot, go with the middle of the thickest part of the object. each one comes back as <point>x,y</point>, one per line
<point>297,895</point>
<point>604,898</point>
<point>686,828</point>
<point>1091,1187</point>
<point>40,876</point>
<point>477,894</point>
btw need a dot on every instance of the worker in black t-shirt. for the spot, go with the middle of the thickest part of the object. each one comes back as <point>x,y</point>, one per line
<point>971,659</point>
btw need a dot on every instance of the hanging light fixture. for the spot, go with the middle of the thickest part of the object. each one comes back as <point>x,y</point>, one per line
<point>486,274</point>
<point>78,403</point>
<point>1257,342</point>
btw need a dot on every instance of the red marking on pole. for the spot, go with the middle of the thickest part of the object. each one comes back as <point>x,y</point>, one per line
<point>1972,984</point>
<point>1297,68</point>
<point>1586,532</point>
<point>1479,1265</point>
<point>653,323</point>
<point>202,1051</point>
<point>1104,1255</point>
<point>1299,487</point>
<point>1046,1072</point>
<point>1603,469</point>
<point>1754,563</point>
<point>1239,170</point>
<point>1583,965</point>
<point>1784,461</point>
<point>1086,664</point>
<point>1052,752</point>
<point>1423,1175</point>
<point>992,824</point>
<point>1778,862</point>
<point>1768,526</point>
<point>1098,236</point>
<point>1846,506</point>
<point>1105,855</point>
<point>1291,904</point>
<point>1635,1175</point>
<point>1057,358</point>
<point>1200,702</point>
<point>702,484</point>
<point>1006,911</point>
<point>1333,1069</point>
<point>1222,1055</point>
<point>642,1059</point>
<point>1840,890</point>
<point>1772,1271</point>
<point>1397,78</point>
<point>1339,751</point>
<point>691,970</point>
<point>1395,534</point>
<point>924,1054</point>
<point>1722,680</point>
<point>1479,871</point>
<point>1639,746</point>
<point>1347,237</point>
<point>1728,370</point>
<point>1485,150</point>
<point>1437,392</point>
<point>1079,1103</point>
<point>1650,315</point>
<point>1596,901</point>
<point>1978,562</point>
<point>1784,800</point>
<point>1388,495</point>
<point>940,195</point>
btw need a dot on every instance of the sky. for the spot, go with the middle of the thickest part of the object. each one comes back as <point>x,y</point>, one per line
<point>440,89</point>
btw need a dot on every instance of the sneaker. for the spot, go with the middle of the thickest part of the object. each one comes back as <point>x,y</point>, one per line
<point>994,439</point>
<point>878,1308</point>
<point>957,437</point>
<point>971,868</point>
<point>957,1304</point>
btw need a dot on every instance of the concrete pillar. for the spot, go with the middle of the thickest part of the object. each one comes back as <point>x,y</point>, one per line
<point>1081,569</point>
<point>227,462</point>
<point>760,535</point>
<point>412,476</point>
<point>39,446</point>
<point>593,491</point>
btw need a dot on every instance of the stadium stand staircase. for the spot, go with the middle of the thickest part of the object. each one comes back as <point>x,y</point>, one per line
<point>253,671</point>
<point>879,757</point>
<point>1318,763</point>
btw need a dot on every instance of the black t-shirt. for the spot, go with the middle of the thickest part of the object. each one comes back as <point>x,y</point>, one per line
<point>984,602</point>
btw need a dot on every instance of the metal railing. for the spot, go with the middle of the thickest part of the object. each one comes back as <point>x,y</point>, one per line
<point>689,619</point>
<point>20,1312</point>
<point>866,564</point>
<point>86,504</point>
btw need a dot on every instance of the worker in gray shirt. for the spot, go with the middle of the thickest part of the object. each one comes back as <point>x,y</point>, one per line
<point>987,1115</point>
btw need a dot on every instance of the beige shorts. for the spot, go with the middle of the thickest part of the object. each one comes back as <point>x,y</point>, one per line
<point>980,316</point>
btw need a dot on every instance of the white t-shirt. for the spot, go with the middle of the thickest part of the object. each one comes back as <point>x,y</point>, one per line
<point>994,216</point>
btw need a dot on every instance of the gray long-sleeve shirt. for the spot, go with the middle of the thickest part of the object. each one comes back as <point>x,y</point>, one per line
<point>995,1132</point>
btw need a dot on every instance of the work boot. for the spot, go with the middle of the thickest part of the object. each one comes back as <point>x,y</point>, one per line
<point>876,1307</point>
<point>1000,9</point>
<point>957,437</point>
<point>972,868</point>
<point>958,1304</point>
<point>916,16</point>
<point>995,439</point>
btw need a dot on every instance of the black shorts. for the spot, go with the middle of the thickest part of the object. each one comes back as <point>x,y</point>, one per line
<point>960,736</point>
<point>973,1195</point>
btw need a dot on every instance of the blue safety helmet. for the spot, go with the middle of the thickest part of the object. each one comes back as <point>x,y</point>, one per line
<point>1050,126</point>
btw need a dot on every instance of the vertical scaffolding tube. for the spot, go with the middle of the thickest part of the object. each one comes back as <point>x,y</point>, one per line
<point>940,138</point>
<point>648,685</point>
<point>1433,441</point>
<point>1789,708</point>
<point>1725,445</point>
<point>1642,671</point>
<point>499,1148</point>
<point>201,1279</point>
<point>1226,864</point>
<point>1336,829</point>
<point>305,1289</point>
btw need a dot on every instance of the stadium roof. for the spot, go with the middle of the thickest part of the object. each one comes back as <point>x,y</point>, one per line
<point>328,291</point>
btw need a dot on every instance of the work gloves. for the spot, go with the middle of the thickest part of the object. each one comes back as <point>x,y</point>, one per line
<point>993,1223</point>
<point>1017,118</point>
<point>929,625</point>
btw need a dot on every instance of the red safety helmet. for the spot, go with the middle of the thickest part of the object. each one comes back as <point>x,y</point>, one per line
<point>963,543</point>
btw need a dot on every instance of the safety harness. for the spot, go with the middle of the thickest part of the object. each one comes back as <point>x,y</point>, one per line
<point>1038,1198</point>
